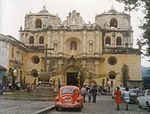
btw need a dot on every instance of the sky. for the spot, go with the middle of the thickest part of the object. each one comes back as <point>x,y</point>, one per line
<point>12,13</point>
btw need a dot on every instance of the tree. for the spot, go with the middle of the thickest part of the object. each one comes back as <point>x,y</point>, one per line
<point>125,75</point>
<point>4,79</point>
<point>135,5</point>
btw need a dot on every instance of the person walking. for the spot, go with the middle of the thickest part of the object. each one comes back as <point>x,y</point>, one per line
<point>94,93</point>
<point>118,98</point>
<point>83,92</point>
<point>89,93</point>
<point>126,97</point>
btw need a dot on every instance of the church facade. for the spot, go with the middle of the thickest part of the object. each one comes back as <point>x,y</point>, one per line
<point>75,53</point>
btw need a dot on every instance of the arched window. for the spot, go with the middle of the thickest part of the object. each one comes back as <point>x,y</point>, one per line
<point>107,41</point>
<point>41,40</point>
<point>90,47</point>
<point>38,23</point>
<point>113,23</point>
<point>118,41</point>
<point>55,47</point>
<point>31,40</point>
<point>112,75</point>
<point>73,45</point>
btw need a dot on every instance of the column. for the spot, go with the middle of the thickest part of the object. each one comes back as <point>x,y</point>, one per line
<point>84,42</point>
<point>96,63</point>
<point>97,42</point>
<point>49,37</point>
<point>61,42</point>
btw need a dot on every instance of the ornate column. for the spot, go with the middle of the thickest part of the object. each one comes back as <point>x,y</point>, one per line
<point>84,42</point>
<point>49,38</point>
<point>61,42</point>
<point>97,42</point>
<point>100,43</point>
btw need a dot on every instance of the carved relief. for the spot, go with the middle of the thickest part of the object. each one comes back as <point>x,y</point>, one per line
<point>74,20</point>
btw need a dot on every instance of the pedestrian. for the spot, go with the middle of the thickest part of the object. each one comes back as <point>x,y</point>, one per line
<point>118,98</point>
<point>10,86</point>
<point>83,92</point>
<point>28,88</point>
<point>18,85</point>
<point>94,93</point>
<point>126,97</point>
<point>89,93</point>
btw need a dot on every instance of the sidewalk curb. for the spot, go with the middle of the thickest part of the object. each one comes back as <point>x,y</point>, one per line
<point>45,110</point>
<point>22,98</point>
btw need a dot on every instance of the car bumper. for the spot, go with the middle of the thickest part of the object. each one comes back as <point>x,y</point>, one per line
<point>77,105</point>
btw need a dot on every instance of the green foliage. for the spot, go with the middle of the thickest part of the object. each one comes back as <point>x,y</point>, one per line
<point>82,78</point>
<point>137,4</point>
<point>125,74</point>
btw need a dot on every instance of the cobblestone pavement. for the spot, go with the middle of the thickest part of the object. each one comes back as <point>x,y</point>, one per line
<point>22,107</point>
<point>104,105</point>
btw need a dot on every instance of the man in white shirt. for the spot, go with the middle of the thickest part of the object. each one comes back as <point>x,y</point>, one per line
<point>126,97</point>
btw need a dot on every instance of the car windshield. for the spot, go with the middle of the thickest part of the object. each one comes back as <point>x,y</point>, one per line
<point>68,90</point>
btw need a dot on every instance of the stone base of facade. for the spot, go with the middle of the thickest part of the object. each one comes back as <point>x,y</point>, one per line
<point>44,89</point>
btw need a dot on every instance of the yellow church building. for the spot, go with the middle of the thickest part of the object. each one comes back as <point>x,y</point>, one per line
<point>73,52</point>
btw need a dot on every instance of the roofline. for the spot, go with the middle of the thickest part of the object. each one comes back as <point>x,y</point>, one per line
<point>20,43</point>
<point>103,14</point>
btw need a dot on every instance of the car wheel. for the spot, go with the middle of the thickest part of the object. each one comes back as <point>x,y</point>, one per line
<point>148,106</point>
<point>57,108</point>
<point>139,106</point>
<point>79,109</point>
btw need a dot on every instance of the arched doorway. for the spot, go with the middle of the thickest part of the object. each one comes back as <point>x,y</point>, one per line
<point>72,76</point>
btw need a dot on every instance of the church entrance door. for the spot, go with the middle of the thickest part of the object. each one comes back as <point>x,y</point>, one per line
<point>72,78</point>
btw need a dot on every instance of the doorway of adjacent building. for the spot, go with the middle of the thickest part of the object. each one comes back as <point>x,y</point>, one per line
<point>72,78</point>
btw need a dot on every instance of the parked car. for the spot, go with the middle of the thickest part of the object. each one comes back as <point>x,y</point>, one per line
<point>133,95</point>
<point>69,97</point>
<point>144,101</point>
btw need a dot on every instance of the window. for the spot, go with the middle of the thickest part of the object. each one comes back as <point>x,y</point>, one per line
<point>41,40</point>
<point>118,41</point>
<point>112,75</point>
<point>73,45</point>
<point>35,59</point>
<point>22,56</point>
<point>55,47</point>
<point>34,73</point>
<point>90,47</point>
<point>38,23</point>
<point>31,40</point>
<point>108,41</point>
<point>12,53</point>
<point>112,60</point>
<point>126,44</point>
<point>113,23</point>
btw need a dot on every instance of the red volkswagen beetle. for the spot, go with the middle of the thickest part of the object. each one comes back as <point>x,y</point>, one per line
<point>69,97</point>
